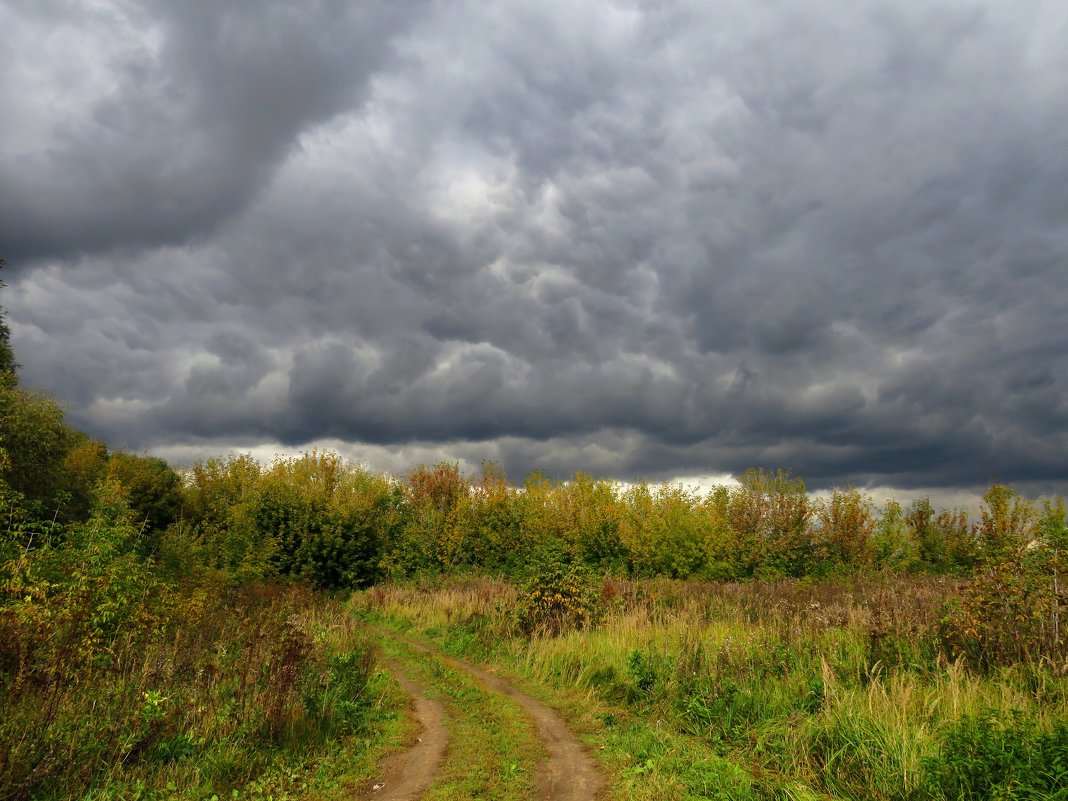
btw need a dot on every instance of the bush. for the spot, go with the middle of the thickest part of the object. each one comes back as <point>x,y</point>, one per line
<point>985,757</point>
<point>1010,611</point>
<point>112,673</point>
<point>559,595</point>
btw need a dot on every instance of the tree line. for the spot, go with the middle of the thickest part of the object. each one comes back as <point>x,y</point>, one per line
<point>334,525</point>
<point>337,524</point>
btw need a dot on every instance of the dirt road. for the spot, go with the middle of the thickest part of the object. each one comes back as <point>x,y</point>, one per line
<point>569,774</point>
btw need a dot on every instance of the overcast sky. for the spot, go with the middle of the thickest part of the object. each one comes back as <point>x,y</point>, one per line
<point>641,239</point>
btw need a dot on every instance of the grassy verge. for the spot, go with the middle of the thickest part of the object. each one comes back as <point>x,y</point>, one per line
<point>213,692</point>
<point>646,759</point>
<point>766,691</point>
<point>493,751</point>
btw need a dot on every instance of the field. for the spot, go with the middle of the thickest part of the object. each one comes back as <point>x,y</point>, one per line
<point>262,632</point>
<point>763,690</point>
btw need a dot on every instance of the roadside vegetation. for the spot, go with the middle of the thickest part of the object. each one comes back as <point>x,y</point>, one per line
<point>337,526</point>
<point>127,674</point>
<point>763,690</point>
<point>190,633</point>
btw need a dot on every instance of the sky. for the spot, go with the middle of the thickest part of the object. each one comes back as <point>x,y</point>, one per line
<point>648,240</point>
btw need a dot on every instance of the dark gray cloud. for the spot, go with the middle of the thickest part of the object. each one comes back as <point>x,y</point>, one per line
<point>641,239</point>
<point>131,125</point>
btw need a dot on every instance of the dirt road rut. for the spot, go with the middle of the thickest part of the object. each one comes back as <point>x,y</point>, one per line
<point>407,775</point>
<point>569,774</point>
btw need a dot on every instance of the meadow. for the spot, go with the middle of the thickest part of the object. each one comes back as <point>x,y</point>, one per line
<point>763,690</point>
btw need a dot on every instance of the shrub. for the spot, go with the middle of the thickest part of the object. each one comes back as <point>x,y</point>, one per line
<point>846,527</point>
<point>894,546</point>
<point>985,757</point>
<point>109,669</point>
<point>560,594</point>
<point>1010,611</point>
<point>770,513</point>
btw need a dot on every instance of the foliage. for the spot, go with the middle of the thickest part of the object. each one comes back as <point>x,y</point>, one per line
<point>661,532</point>
<point>593,520</point>
<point>84,467</point>
<point>769,513</point>
<point>846,527</point>
<point>153,489</point>
<point>435,529</point>
<point>36,440</point>
<point>944,538</point>
<point>985,757</point>
<point>112,673</point>
<point>220,501</point>
<point>559,594</point>
<point>894,545</point>
<point>313,518</point>
<point>327,519</point>
<point>337,525</point>
<point>495,522</point>
<point>1010,611</point>
<point>7,357</point>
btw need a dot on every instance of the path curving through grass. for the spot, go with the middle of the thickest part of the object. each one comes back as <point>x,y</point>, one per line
<point>568,772</point>
<point>407,775</point>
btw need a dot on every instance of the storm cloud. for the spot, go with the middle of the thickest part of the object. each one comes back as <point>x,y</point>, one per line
<point>634,238</point>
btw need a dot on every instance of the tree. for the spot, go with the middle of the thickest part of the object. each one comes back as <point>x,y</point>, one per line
<point>1007,525</point>
<point>36,440</point>
<point>894,543</point>
<point>1010,612</point>
<point>153,489</point>
<point>769,513</point>
<point>84,467</point>
<point>846,528</point>
<point>7,357</point>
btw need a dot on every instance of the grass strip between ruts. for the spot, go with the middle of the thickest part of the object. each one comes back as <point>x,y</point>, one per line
<point>493,750</point>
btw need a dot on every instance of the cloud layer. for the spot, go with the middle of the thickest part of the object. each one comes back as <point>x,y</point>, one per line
<point>642,239</point>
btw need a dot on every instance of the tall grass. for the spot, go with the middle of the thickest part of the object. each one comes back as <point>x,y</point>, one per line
<point>836,689</point>
<point>199,701</point>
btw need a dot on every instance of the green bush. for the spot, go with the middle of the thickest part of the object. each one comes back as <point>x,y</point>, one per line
<point>114,673</point>
<point>985,757</point>
<point>559,594</point>
<point>1010,612</point>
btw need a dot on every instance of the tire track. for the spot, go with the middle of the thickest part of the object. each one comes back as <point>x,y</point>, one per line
<point>569,774</point>
<point>407,775</point>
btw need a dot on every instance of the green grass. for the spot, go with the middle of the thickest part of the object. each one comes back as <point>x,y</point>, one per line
<point>323,774</point>
<point>771,691</point>
<point>259,692</point>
